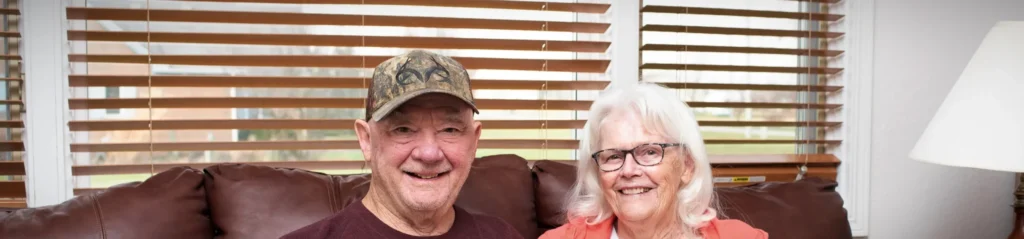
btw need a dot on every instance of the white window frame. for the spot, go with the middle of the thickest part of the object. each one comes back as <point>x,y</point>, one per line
<point>48,167</point>
<point>855,170</point>
<point>47,139</point>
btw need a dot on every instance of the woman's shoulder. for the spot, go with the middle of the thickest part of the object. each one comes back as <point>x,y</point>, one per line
<point>578,228</point>
<point>731,228</point>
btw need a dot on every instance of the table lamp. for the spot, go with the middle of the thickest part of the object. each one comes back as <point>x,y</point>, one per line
<point>981,122</point>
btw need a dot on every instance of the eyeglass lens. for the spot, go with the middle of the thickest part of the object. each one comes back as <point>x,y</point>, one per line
<point>646,155</point>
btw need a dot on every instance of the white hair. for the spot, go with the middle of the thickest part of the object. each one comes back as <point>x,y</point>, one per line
<point>660,112</point>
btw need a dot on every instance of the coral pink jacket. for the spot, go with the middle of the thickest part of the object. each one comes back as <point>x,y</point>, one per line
<point>716,229</point>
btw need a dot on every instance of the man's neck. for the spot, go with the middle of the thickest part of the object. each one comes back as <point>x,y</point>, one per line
<point>413,223</point>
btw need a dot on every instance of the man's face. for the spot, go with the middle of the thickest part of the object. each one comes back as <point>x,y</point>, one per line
<point>420,154</point>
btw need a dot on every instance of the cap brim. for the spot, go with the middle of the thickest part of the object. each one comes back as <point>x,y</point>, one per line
<point>398,101</point>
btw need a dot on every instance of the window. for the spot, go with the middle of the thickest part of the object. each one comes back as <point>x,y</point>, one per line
<point>764,79</point>
<point>12,186</point>
<point>280,84</point>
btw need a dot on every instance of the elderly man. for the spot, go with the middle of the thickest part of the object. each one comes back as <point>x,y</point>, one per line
<point>419,140</point>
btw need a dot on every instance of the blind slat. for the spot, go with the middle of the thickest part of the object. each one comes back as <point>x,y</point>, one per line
<point>197,16</point>
<point>511,5</point>
<point>593,66</point>
<point>740,12</point>
<point>772,174</point>
<point>12,124</point>
<point>12,168</point>
<point>747,50</point>
<point>111,125</point>
<point>725,123</point>
<point>10,34</point>
<point>770,141</point>
<point>12,189</point>
<point>304,82</point>
<point>298,145</point>
<point>359,83</point>
<point>281,102</point>
<point>818,1</point>
<point>349,82</point>
<point>85,170</point>
<point>334,124</point>
<point>716,161</point>
<point>352,144</point>
<point>12,146</point>
<point>13,203</point>
<point>771,87</point>
<point>340,41</point>
<point>774,159</point>
<point>10,11</point>
<point>740,31</point>
<point>735,68</point>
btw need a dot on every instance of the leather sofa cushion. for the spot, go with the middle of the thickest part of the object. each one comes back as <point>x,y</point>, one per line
<point>248,201</point>
<point>806,209</point>
<point>171,204</point>
<point>552,183</point>
<point>809,208</point>
<point>501,186</point>
<point>262,202</point>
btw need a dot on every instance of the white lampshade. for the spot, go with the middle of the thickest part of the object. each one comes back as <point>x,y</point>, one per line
<point>981,122</point>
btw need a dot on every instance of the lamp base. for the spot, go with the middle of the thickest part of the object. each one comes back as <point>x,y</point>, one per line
<point>1018,208</point>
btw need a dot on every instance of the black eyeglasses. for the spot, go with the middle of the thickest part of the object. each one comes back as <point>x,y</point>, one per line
<point>651,154</point>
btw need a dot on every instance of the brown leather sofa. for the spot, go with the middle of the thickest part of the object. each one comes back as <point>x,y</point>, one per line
<point>245,201</point>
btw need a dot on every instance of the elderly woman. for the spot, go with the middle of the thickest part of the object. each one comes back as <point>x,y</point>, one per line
<point>643,172</point>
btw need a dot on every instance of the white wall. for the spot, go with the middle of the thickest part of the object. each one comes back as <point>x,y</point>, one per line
<point>921,46</point>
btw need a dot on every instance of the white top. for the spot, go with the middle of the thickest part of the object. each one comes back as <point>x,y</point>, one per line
<point>615,233</point>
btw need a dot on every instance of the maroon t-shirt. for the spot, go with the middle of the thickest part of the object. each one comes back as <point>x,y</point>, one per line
<point>355,221</point>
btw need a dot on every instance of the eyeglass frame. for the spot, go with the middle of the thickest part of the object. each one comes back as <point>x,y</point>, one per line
<point>630,153</point>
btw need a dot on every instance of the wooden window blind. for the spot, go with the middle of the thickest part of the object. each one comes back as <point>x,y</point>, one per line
<point>764,78</point>
<point>12,128</point>
<point>157,84</point>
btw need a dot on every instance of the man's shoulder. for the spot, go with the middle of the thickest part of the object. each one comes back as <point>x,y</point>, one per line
<point>342,222</point>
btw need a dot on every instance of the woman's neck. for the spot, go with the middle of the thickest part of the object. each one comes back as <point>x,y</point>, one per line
<point>657,228</point>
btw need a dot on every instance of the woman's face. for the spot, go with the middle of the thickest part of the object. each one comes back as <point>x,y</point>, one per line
<point>639,193</point>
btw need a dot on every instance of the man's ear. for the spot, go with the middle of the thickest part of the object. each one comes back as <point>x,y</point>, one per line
<point>477,129</point>
<point>363,134</point>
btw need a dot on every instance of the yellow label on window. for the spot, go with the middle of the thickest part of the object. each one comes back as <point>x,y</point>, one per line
<point>744,179</point>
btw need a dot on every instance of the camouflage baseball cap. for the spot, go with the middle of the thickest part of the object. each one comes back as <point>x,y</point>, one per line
<point>412,74</point>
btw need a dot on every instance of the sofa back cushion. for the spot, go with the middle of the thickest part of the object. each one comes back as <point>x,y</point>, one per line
<point>249,201</point>
<point>809,208</point>
<point>171,204</point>
<point>806,209</point>
<point>263,202</point>
<point>552,182</point>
